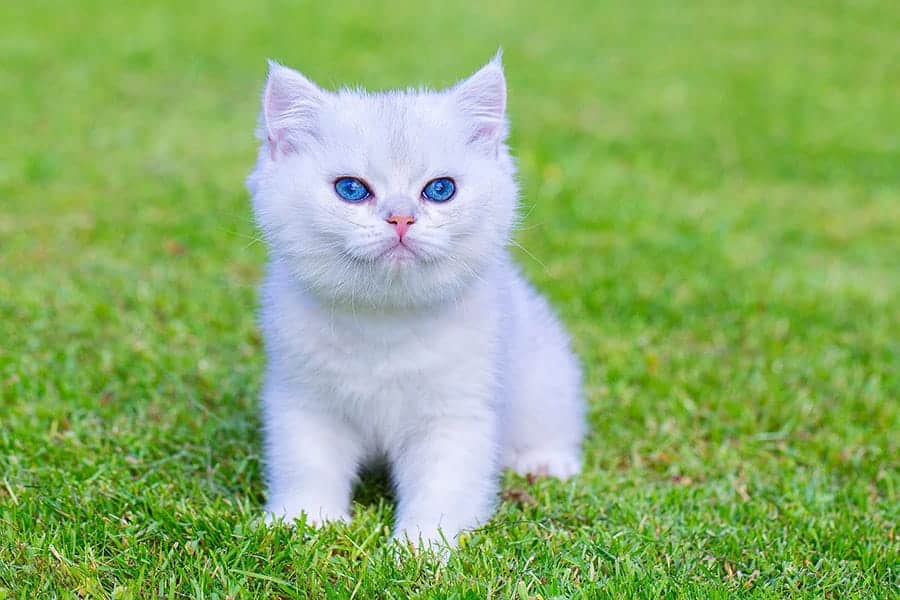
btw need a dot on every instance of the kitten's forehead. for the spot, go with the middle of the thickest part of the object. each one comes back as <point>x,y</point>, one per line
<point>407,131</point>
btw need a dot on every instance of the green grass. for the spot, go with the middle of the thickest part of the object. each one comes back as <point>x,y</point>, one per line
<point>712,193</point>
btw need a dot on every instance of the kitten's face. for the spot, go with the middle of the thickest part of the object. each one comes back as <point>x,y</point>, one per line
<point>392,199</point>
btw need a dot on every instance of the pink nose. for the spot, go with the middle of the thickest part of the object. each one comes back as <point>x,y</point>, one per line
<point>401,223</point>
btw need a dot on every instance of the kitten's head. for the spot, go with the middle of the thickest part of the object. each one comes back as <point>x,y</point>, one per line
<point>393,199</point>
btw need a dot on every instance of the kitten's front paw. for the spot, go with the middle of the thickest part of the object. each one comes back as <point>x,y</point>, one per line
<point>547,463</point>
<point>316,517</point>
<point>421,539</point>
<point>431,540</point>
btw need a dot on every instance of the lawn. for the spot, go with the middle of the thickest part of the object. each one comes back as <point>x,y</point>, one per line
<point>711,194</point>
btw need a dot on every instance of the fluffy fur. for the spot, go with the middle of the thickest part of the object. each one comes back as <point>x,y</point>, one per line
<point>434,355</point>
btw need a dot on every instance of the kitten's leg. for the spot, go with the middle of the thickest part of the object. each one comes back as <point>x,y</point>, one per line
<point>312,459</point>
<point>447,478</point>
<point>545,432</point>
<point>545,421</point>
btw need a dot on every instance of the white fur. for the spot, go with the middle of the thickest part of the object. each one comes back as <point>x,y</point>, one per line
<point>438,357</point>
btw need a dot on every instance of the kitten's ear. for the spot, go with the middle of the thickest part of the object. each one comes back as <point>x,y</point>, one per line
<point>482,99</point>
<point>289,108</point>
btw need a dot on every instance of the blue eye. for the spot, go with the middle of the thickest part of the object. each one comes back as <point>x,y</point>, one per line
<point>351,189</point>
<point>439,190</point>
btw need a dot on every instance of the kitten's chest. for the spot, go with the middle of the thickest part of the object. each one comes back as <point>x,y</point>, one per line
<point>388,368</point>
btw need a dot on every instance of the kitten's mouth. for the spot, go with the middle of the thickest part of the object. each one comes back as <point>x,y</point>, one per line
<point>399,252</point>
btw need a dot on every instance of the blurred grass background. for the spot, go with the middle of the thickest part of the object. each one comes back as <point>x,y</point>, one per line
<point>712,194</point>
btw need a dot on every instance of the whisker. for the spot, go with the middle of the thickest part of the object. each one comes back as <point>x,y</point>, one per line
<point>528,252</point>
<point>254,239</point>
<point>530,227</point>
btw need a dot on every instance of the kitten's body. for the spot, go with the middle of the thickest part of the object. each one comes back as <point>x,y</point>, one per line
<point>438,357</point>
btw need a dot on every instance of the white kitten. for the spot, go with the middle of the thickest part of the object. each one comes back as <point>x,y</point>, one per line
<point>396,325</point>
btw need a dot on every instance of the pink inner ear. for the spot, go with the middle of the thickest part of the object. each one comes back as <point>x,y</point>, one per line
<point>485,131</point>
<point>278,141</point>
<point>277,106</point>
<point>289,108</point>
<point>483,98</point>
<point>280,97</point>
